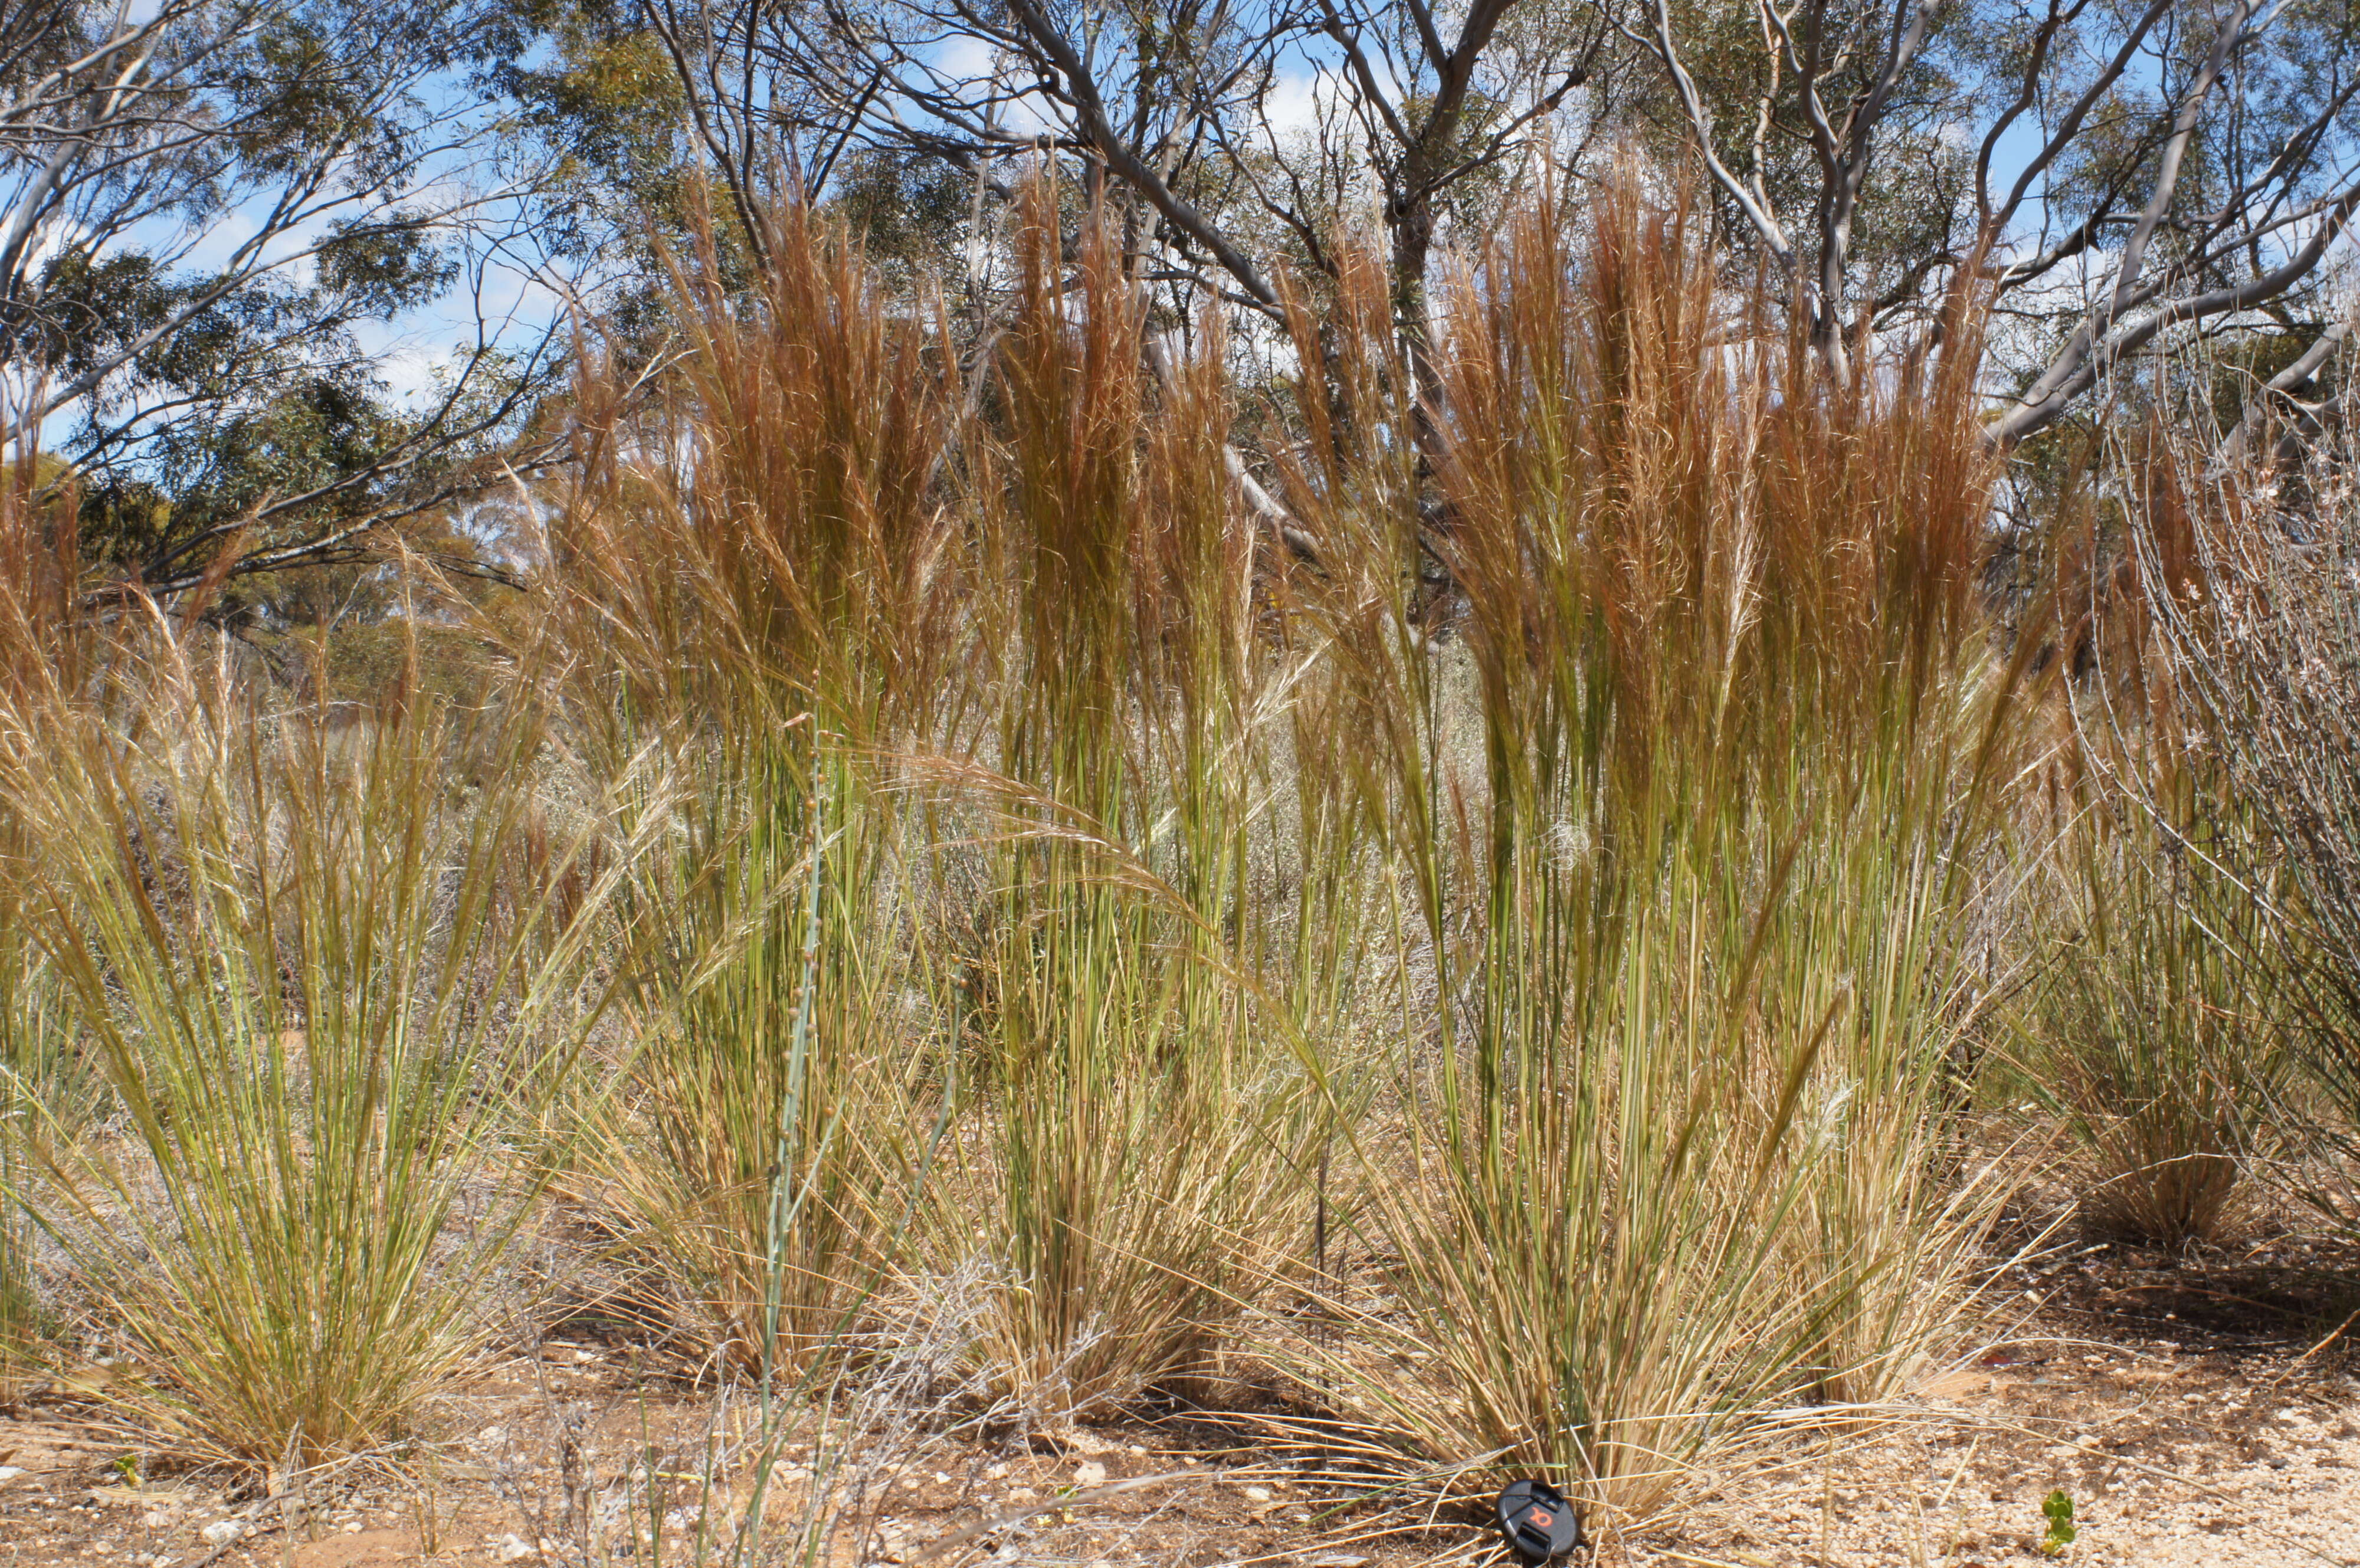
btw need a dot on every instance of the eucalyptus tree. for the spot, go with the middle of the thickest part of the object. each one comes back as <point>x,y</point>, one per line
<point>2117,175</point>
<point>217,220</point>
<point>1176,111</point>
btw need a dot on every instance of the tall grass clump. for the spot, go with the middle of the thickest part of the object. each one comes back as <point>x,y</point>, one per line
<point>297,954</point>
<point>43,1086</point>
<point>989,646</point>
<point>32,1063</point>
<point>47,1095</point>
<point>1693,895</point>
<point>753,581</point>
<point>2248,566</point>
<point>2145,1018</point>
<point>1146,1126</point>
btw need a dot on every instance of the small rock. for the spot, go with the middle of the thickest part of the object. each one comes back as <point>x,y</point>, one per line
<point>1089,1473</point>
<point>221,1532</point>
<point>1257,1493</point>
<point>514,1548</point>
<point>1079,1439</point>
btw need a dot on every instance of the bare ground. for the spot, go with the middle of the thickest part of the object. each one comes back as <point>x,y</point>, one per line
<point>2198,1411</point>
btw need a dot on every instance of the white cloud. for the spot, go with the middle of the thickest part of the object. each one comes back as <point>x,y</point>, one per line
<point>409,374</point>
<point>1292,104</point>
<point>965,57</point>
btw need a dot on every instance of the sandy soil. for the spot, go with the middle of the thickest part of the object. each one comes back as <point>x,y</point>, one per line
<point>2196,1412</point>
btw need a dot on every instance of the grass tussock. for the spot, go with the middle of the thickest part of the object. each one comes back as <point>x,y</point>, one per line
<point>292,952</point>
<point>1149,1120</point>
<point>2245,569</point>
<point>1695,913</point>
<point>753,585</point>
<point>2145,1020</point>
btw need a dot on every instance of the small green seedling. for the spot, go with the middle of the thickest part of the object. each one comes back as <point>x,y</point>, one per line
<point>2060,1533</point>
<point>127,1466</point>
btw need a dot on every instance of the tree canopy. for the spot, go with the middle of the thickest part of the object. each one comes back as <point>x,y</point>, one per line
<point>284,279</point>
